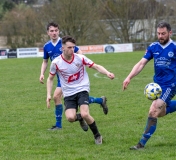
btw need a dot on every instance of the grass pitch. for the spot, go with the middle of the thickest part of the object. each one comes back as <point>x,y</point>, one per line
<point>24,118</point>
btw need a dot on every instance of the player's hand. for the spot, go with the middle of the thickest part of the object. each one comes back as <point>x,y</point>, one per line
<point>111,75</point>
<point>41,79</point>
<point>48,99</point>
<point>125,83</point>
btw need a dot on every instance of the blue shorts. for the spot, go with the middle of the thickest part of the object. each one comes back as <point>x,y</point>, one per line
<point>168,92</point>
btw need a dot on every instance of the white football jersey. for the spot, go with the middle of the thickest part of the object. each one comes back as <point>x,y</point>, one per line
<point>73,76</point>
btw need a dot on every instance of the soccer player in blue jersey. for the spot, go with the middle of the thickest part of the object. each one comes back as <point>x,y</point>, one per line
<point>52,49</point>
<point>164,54</point>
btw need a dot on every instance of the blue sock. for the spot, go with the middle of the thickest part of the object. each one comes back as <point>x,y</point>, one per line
<point>149,130</point>
<point>95,100</point>
<point>58,114</point>
<point>171,107</point>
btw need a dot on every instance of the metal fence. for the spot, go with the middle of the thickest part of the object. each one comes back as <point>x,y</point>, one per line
<point>141,46</point>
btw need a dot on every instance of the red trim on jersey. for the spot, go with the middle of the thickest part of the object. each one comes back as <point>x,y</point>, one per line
<point>87,64</point>
<point>73,56</point>
<point>83,61</point>
<point>52,74</point>
<point>91,65</point>
<point>57,67</point>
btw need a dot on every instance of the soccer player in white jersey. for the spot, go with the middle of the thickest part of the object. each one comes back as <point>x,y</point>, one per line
<point>164,54</point>
<point>75,84</point>
<point>52,49</point>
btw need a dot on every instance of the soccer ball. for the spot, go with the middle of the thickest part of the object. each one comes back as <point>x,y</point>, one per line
<point>152,91</point>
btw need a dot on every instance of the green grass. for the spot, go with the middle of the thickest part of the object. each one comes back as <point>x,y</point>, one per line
<point>24,118</point>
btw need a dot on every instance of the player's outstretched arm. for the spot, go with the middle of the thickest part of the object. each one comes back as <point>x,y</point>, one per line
<point>125,83</point>
<point>49,89</point>
<point>135,71</point>
<point>103,70</point>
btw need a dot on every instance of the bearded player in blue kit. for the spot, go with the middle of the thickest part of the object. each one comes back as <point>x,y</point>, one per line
<point>164,54</point>
<point>52,49</point>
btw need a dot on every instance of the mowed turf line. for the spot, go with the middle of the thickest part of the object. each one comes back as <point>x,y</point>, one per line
<point>24,118</point>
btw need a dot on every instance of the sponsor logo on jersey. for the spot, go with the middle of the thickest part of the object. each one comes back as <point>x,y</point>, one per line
<point>54,56</point>
<point>156,53</point>
<point>162,61</point>
<point>74,77</point>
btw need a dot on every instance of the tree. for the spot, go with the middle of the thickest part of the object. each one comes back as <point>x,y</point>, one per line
<point>133,19</point>
<point>89,21</point>
<point>21,27</point>
<point>121,15</point>
<point>77,18</point>
<point>5,6</point>
<point>8,5</point>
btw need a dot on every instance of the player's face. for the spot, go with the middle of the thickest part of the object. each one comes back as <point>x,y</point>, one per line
<point>163,35</point>
<point>68,48</point>
<point>53,33</point>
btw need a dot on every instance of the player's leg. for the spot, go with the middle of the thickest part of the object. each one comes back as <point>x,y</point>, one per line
<point>84,110</point>
<point>95,100</point>
<point>70,114</point>
<point>71,108</point>
<point>57,96</point>
<point>102,101</point>
<point>157,109</point>
<point>58,109</point>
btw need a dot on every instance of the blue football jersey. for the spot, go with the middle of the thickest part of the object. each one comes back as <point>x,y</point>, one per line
<point>54,50</point>
<point>164,62</point>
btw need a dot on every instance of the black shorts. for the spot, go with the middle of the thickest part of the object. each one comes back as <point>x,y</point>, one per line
<point>76,100</point>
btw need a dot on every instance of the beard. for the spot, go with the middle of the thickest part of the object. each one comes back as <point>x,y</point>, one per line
<point>163,42</point>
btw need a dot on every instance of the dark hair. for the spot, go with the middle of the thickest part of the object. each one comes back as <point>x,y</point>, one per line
<point>68,39</point>
<point>163,25</point>
<point>52,24</point>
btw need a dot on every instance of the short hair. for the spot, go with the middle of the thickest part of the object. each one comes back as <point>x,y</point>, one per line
<point>68,39</point>
<point>52,24</point>
<point>163,25</point>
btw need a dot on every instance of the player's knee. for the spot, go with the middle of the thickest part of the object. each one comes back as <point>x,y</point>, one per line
<point>57,96</point>
<point>84,115</point>
<point>57,99</point>
<point>154,111</point>
<point>70,118</point>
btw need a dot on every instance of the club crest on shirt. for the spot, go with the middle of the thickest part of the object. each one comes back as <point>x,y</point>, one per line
<point>77,65</point>
<point>170,54</point>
